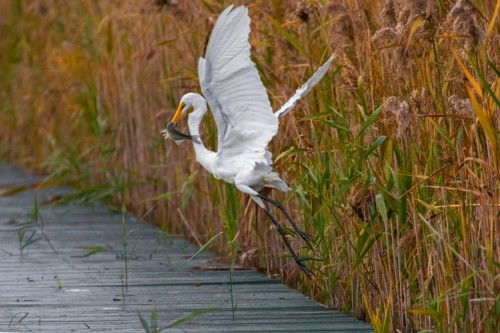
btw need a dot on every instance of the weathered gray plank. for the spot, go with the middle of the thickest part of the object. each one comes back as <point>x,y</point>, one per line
<point>159,276</point>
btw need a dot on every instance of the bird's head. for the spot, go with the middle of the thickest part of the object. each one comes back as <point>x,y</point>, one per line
<point>188,103</point>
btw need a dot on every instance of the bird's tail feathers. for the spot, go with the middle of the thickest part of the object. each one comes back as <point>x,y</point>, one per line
<point>279,185</point>
<point>271,178</point>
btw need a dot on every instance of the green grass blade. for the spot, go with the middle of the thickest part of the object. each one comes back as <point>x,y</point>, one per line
<point>206,245</point>
<point>187,317</point>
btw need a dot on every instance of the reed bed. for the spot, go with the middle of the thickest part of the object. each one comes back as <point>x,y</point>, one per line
<point>392,159</point>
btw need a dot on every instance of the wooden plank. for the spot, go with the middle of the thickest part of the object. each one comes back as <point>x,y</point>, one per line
<point>93,296</point>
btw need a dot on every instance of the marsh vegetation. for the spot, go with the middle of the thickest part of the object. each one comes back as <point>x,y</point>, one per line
<point>392,159</point>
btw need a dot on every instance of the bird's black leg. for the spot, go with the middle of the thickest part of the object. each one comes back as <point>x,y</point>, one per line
<point>299,261</point>
<point>305,236</point>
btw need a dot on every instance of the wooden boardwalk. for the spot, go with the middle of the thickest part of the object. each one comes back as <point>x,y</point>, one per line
<point>53,287</point>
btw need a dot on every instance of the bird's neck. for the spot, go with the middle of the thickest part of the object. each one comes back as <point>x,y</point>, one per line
<point>204,156</point>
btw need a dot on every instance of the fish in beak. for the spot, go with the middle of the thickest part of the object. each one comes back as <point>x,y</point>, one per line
<point>171,131</point>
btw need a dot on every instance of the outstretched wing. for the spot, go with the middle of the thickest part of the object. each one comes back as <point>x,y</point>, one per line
<point>306,87</point>
<point>233,89</point>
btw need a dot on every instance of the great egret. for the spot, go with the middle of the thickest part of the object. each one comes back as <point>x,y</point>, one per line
<point>243,115</point>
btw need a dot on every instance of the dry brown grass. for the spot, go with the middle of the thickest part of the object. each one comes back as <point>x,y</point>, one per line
<point>407,226</point>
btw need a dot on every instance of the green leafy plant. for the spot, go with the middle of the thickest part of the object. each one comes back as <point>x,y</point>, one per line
<point>91,250</point>
<point>58,282</point>
<point>153,327</point>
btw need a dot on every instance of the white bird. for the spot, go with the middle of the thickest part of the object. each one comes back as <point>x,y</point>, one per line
<point>243,114</point>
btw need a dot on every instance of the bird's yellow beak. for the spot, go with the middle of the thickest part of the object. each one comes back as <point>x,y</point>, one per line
<point>178,113</point>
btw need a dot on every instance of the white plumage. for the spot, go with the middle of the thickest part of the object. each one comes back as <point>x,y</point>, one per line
<point>306,87</point>
<point>239,103</point>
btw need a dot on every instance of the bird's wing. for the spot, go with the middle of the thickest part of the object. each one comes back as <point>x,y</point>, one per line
<point>233,89</point>
<point>306,87</point>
